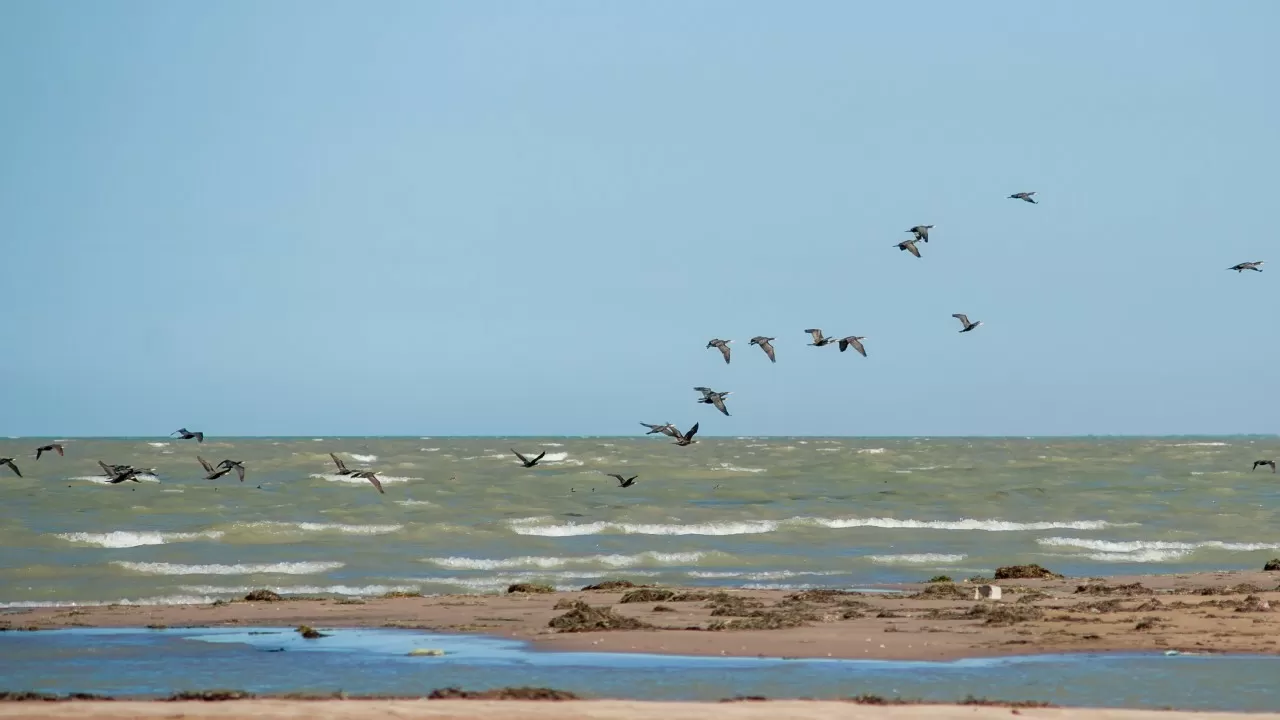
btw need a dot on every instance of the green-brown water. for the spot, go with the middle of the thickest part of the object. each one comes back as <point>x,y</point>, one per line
<point>460,514</point>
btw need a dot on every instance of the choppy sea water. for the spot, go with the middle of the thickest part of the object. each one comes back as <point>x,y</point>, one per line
<point>376,662</point>
<point>461,515</point>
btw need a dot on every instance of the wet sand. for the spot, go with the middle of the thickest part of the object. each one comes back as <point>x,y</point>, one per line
<point>574,710</point>
<point>1208,612</point>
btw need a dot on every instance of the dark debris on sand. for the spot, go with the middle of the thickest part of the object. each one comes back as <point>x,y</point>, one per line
<point>611,585</point>
<point>1124,590</point>
<point>310,633</point>
<point>530,589</point>
<point>263,595</point>
<point>1272,565</point>
<point>1026,572</point>
<point>210,695</point>
<point>943,591</point>
<point>506,693</point>
<point>585,618</point>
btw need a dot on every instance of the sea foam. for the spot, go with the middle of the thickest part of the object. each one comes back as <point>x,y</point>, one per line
<point>530,526</point>
<point>131,538</point>
<point>613,561</point>
<point>1148,550</point>
<point>280,568</point>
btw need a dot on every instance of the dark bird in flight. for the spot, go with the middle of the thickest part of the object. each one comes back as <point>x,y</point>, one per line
<point>667,429</point>
<point>818,339</point>
<point>1256,463</point>
<point>921,232</point>
<point>724,347</point>
<point>766,345</point>
<point>1247,266</point>
<point>624,482</point>
<point>686,439</point>
<point>372,477</point>
<point>49,448</point>
<point>964,320</point>
<point>117,474</point>
<point>854,341</point>
<point>711,397</point>
<point>1024,196</point>
<point>527,462</point>
<point>14,468</point>
<point>212,473</point>
<point>342,467</point>
<point>237,465</point>
<point>185,434</point>
<point>909,246</point>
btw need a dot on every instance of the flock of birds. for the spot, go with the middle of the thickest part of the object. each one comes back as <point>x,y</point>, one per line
<point>117,474</point>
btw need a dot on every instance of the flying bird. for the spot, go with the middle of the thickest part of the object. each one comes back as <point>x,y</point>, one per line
<point>765,345</point>
<point>14,468</point>
<point>909,246</point>
<point>964,320</point>
<point>711,397</point>
<point>724,347</point>
<point>185,434</point>
<point>921,232</point>
<point>667,429</point>
<point>624,482</point>
<point>1024,196</point>
<point>686,439</point>
<point>527,462</point>
<point>342,467</point>
<point>237,465</point>
<point>1247,266</point>
<point>854,341</point>
<point>48,448</point>
<point>212,473</point>
<point>117,474</point>
<point>372,477</point>
<point>1256,463</point>
<point>818,339</point>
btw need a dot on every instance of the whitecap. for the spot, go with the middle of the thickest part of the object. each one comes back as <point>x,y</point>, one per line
<point>596,528</point>
<point>1148,550</point>
<point>354,590</point>
<point>1200,444</point>
<point>162,600</point>
<point>158,444</point>
<point>363,458</point>
<point>726,467</point>
<point>965,524</point>
<point>870,451</point>
<point>138,538</point>
<point>916,559</point>
<point>326,527</point>
<point>552,445</point>
<point>279,568</point>
<point>613,561</point>
<point>384,479</point>
<point>408,503</point>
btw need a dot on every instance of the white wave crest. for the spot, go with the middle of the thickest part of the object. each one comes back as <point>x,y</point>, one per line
<point>916,559</point>
<point>1200,444</point>
<point>1148,550</point>
<point>163,600</point>
<point>327,527</point>
<point>726,467</point>
<point>153,444</point>
<point>363,458</point>
<point>871,451</point>
<point>615,561</point>
<point>384,479</point>
<point>280,568</point>
<point>596,528</point>
<point>130,538</point>
<point>965,524</point>
<point>355,590</point>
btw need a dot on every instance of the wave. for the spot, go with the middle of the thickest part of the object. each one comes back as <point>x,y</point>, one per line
<point>613,561</point>
<point>280,568</point>
<point>363,458</point>
<point>326,527</point>
<point>529,526</point>
<point>759,575</point>
<point>1148,550</point>
<point>1200,444</point>
<point>916,559</point>
<point>871,451</point>
<point>130,538</point>
<point>163,600</point>
<point>726,467</point>
<point>157,444</point>
<point>353,590</point>
<point>103,479</point>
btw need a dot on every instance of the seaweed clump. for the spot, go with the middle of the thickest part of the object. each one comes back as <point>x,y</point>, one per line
<point>1272,565</point>
<point>999,615</point>
<point>942,591</point>
<point>585,618</point>
<point>310,633</point>
<point>506,693</point>
<point>1103,589</point>
<point>648,595</point>
<point>1026,572</point>
<point>209,695</point>
<point>263,595</point>
<point>530,589</point>
<point>610,585</point>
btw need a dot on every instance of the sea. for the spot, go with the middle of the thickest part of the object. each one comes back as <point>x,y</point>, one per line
<point>461,515</point>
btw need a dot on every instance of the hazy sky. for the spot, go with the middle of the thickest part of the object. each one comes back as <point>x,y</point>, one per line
<point>280,218</point>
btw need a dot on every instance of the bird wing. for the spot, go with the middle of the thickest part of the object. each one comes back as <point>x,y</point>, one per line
<point>706,391</point>
<point>338,461</point>
<point>544,452</point>
<point>13,467</point>
<point>964,319</point>
<point>179,431</point>
<point>816,333</point>
<point>768,350</point>
<point>199,436</point>
<point>523,459</point>
<point>39,452</point>
<point>615,475</point>
<point>207,467</point>
<point>857,345</point>
<point>106,469</point>
<point>59,449</point>
<point>718,401</point>
<point>724,350</point>
<point>371,477</point>
<point>911,248</point>
<point>239,471</point>
<point>844,344</point>
<point>692,431</point>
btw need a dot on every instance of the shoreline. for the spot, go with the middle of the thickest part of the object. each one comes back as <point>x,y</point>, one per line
<point>1212,612</point>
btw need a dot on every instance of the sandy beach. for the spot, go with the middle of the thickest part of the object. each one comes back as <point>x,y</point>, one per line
<point>573,710</point>
<point>1210,612</point>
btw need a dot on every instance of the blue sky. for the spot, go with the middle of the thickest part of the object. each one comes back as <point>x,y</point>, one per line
<point>529,217</point>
